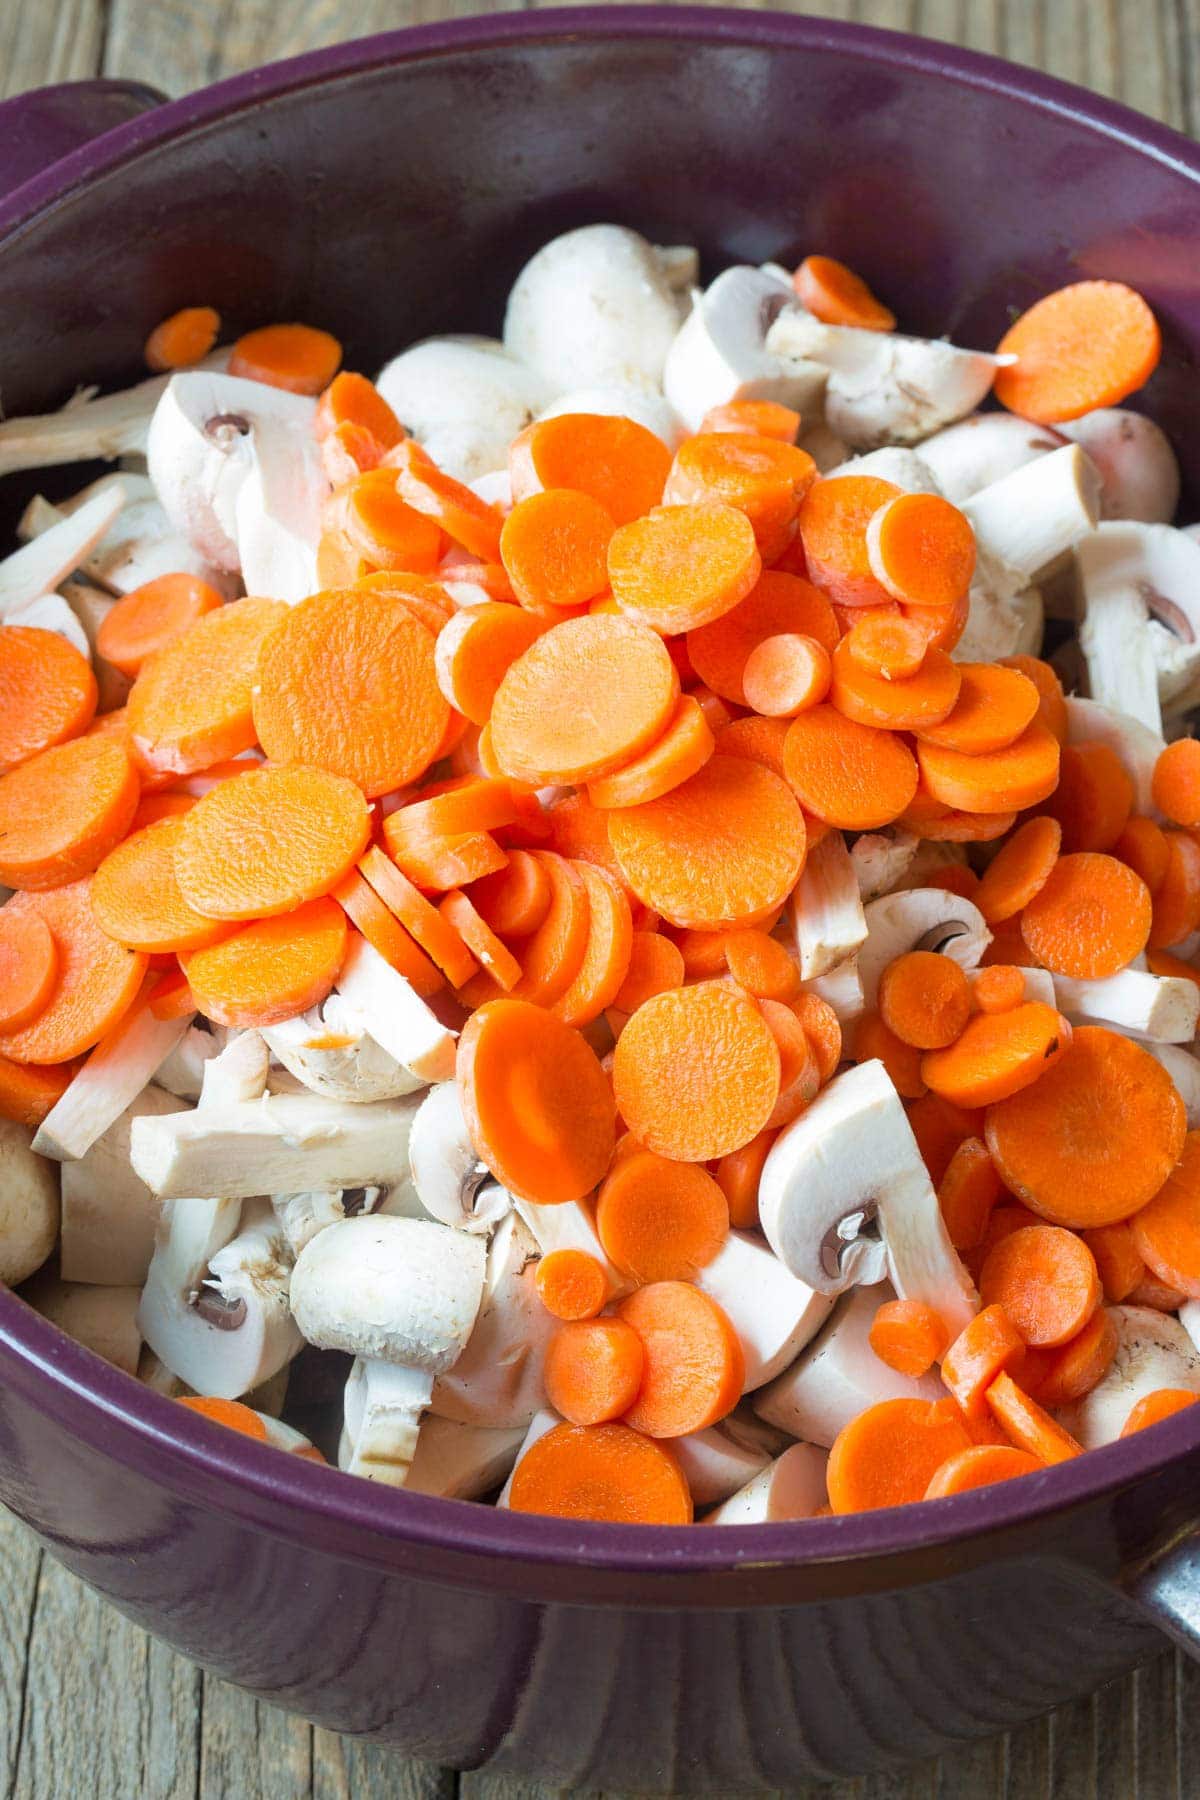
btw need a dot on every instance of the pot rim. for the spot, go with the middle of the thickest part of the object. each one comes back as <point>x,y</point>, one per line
<point>185,1452</point>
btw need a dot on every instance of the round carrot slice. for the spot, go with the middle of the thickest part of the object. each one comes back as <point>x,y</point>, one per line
<point>190,706</point>
<point>681,752</point>
<point>853,776</point>
<point>1090,917</point>
<point>1088,345</point>
<point>761,418</point>
<point>761,965</point>
<point>475,650</point>
<point>1176,782</point>
<point>889,1454</point>
<point>694,1364</point>
<point>1153,1408</point>
<point>183,339</point>
<point>270,970</point>
<point>835,294</point>
<point>571,1284</point>
<point>47,692</point>
<point>329,678</point>
<point>1019,870</point>
<point>1052,710</point>
<point>459,511</point>
<point>722,849</point>
<point>233,1414</point>
<point>1095,1138</point>
<point>95,984</point>
<point>777,603</point>
<point>696,1072</point>
<point>137,899</point>
<point>834,517</point>
<point>1002,781</point>
<point>593,1370</point>
<point>1093,799</point>
<point>606,954</point>
<point>62,811</point>
<point>28,967</point>
<point>601,1472</point>
<point>552,956</point>
<point>655,967</point>
<point>269,841</point>
<point>660,1220</point>
<point>1166,1232</point>
<point>614,460</point>
<point>980,1466</point>
<point>998,1054</point>
<point>586,698</point>
<point>902,703</point>
<point>908,1335</point>
<point>1143,845</point>
<point>1080,1364</point>
<point>993,708</point>
<point>921,550</point>
<point>785,675</point>
<point>152,616</point>
<point>554,547</point>
<point>1046,1280</point>
<point>537,1102</point>
<point>925,999</point>
<point>683,566</point>
<point>764,478</point>
<point>296,357</point>
<point>887,645</point>
<point>516,899</point>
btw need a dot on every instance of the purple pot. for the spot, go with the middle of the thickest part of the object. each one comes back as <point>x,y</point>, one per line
<point>391,188</point>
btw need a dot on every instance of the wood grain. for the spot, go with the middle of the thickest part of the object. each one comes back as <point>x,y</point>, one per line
<point>89,1705</point>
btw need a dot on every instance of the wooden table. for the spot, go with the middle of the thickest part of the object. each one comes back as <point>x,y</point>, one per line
<point>89,1705</point>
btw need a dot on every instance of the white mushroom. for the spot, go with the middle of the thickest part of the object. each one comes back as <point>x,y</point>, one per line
<point>826,910</point>
<point>1184,1070</point>
<point>237,1074</point>
<point>931,857</point>
<point>1164,1008</point>
<point>791,1487</point>
<point>721,352</point>
<point>719,1461</point>
<point>882,859</point>
<point>845,1197</point>
<point>842,989</point>
<point>590,308</point>
<point>329,1053</point>
<point>920,919</point>
<point>385,1006</point>
<point>50,612</point>
<point>38,567</point>
<point>680,265</point>
<point>29,1205</point>
<point>498,1378</point>
<point>182,1072</point>
<point>1025,521</point>
<point>982,449</point>
<point>1138,603</point>
<point>112,426</point>
<point>644,408</point>
<point>773,1311</point>
<point>139,546</point>
<point>110,1080</point>
<point>109,1216</point>
<point>402,1296</point>
<point>905,469</point>
<point>102,1319</point>
<point>214,1306</point>
<point>302,1215</point>
<point>883,387</point>
<point>452,1184</point>
<point>461,1462</point>
<point>1137,745</point>
<point>825,447</point>
<point>1154,1350</point>
<point>839,1375</point>
<point>464,399</point>
<point>1137,465</point>
<point>1000,622</point>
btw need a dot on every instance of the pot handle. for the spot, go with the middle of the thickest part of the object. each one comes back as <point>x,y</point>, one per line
<point>39,128</point>
<point>1167,1586</point>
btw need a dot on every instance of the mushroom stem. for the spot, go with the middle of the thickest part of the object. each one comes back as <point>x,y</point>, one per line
<point>882,859</point>
<point>39,566</point>
<point>1027,519</point>
<point>842,989</point>
<point>826,909</point>
<point>182,1072</point>
<point>461,1462</point>
<point>1164,1008</point>
<point>497,1381</point>
<point>791,1487</point>
<point>111,1079</point>
<point>107,427</point>
<point>102,1319</point>
<point>383,1409</point>
<point>109,1216</point>
<point>385,1006</point>
<point>722,350</point>
<point>984,449</point>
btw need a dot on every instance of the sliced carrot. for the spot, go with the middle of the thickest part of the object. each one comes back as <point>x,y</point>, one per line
<point>516,899</point>
<point>890,1453</point>
<point>681,752</point>
<point>836,295</point>
<point>785,675</point>
<point>475,650</point>
<point>998,1054</point>
<point>1028,1425</point>
<point>427,600</point>
<point>173,998</point>
<point>539,1106</point>
<point>694,1364</point>
<point>152,616</point>
<point>683,566</point>
<point>722,849</point>
<point>437,861</point>
<point>966,828</point>
<point>1090,917</point>
<point>885,644</point>
<point>981,1466</point>
<point>1153,1408</point>
<point>605,963</point>
<point>999,782</point>
<point>852,776</point>
<point>191,703</point>
<point>231,1413</point>
<point>738,1175</point>
<point>1087,345</point>
<point>1117,1258</point>
<point>717,712</point>
<point>1046,1280</point>
<point>1095,1138</point>
<point>271,970</point>
<point>552,956</point>
<point>998,988</point>
<point>655,967</point>
<point>339,563</point>
<point>761,965</point>
<point>1175,788</point>
<point>28,967</point>
<point>834,517</point>
<point>760,476</point>
<point>554,547</point>
<point>601,1472</point>
<point>296,357</point>
<point>95,983</point>
<point>1176,909</point>
<point>823,1030</point>
<point>353,400</point>
<point>958,878</point>
<point>696,1072</point>
<point>306,828</point>
<point>493,955</point>
<point>1079,1365</point>
<point>921,550</point>
<point>137,899</point>
<point>1019,870</point>
<point>47,692</point>
<point>1166,1232</point>
<point>660,1220</point>
<point>438,937</point>
<point>461,514</point>
<point>986,1347</point>
<point>1053,708</point>
<point>383,931</point>
<point>1093,799</point>
<point>28,1092</point>
<point>909,703</point>
<point>994,707</point>
<point>875,1040</point>
<point>64,810</point>
<point>799,1074</point>
<point>186,337</point>
<point>908,1336</point>
<point>473,803</point>
<point>939,1129</point>
<point>943,625</point>
<point>380,527</point>
<point>571,1284</point>
<point>614,460</point>
<point>1143,845</point>
<point>925,999</point>
<point>968,1192</point>
<point>593,1370</point>
<point>777,603</point>
<point>761,418</point>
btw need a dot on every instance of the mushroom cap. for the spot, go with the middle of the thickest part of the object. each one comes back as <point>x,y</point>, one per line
<point>403,1290</point>
<point>29,1205</point>
<point>984,448</point>
<point>720,352</point>
<point>1136,462</point>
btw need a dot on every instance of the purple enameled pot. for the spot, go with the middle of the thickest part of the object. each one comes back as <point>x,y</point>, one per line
<point>391,188</point>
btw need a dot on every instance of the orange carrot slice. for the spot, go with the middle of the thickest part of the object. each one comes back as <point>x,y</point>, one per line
<point>1019,870</point>
<point>1088,345</point>
<point>998,1054</point>
<point>1143,845</point>
<point>1090,917</point>
<point>1080,1364</point>
<point>461,514</point>
<point>761,965</point>
<point>28,1093</point>
<point>785,675</point>
<point>738,1175</point>
<point>761,418</point>
<point>606,955</point>
<point>381,528</point>
<point>271,970</point>
<point>1046,1280</point>
<point>908,703</point>
<point>886,645</point>
<point>296,357</point>
<point>908,1336</point>
<point>601,1472</point>
<point>516,899</point>
<point>63,810</point>
<point>28,967</point>
<point>1176,909</point>
<point>660,1220</point>
<point>655,967</point>
<point>968,1192</point>
<point>981,1466</point>
<point>190,706</point>
<point>47,692</point>
<point>1121,1267</point>
<point>694,1364</point>
<point>834,517</point>
<point>95,984</point>
<point>383,931</point>
<point>762,477</point>
<point>613,460</point>
<point>494,956</point>
<point>475,651</point>
<point>1053,709</point>
<point>1093,799</point>
<point>852,776</point>
<point>1166,1232</point>
<point>571,1284</point>
<point>994,707</point>
<point>437,934</point>
<point>890,1453</point>
<point>987,1346</point>
<point>1153,1408</point>
<point>777,603</point>
<point>921,550</point>
<point>137,899</point>
<point>186,337</point>
<point>554,547</point>
<point>1029,1425</point>
<point>681,752</point>
<point>1001,781</point>
<point>593,1370</point>
<point>924,999</point>
<point>152,616</point>
<point>683,566</point>
<point>836,295</point>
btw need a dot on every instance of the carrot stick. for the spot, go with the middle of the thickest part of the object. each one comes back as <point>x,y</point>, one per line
<point>785,675</point>
<point>886,644</point>
<point>612,459</point>
<point>28,1093</point>
<point>985,1348</point>
<point>911,703</point>
<point>738,1175</point>
<point>835,294</point>
<point>296,357</point>
<point>572,1284</point>
<point>49,692</point>
<point>28,967</point>
<point>981,1466</point>
<point>777,603</point>
<point>1019,870</point>
<point>1090,917</point>
<point>998,1054</point>
<point>152,616</point>
<point>1046,1280</point>
<point>760,476</point>
<point>1166,1232</point>
<point>921,550</point>
<point>95,984</point>
<point>694,1365</point>
<point>908,1336</point>
<point>271,970</point>
<point>1153,1408</point>
<point>601,1472</point>
<point>1028,1425</point>
<point>924,999</point>
<point>681,752</point>
<point>1080,1365</point>
<point>968,1192</point>
<point>186,337</point>
<point>852,776</point>
<point>538,1104</point>
<point>761,418</point>
<point>64,810</point>
<point>1088,345</point>
<point>593,1370</point>
<point>834,517</point>
<point>493,955</point>
<point>191,704</point>
<point>516,899</point>
<point>437,935</point>
<point>999,782</point>
<point>655,967</point>
<point>683,566</point>
<point>761,965</point>
<point>137,899</point>
<point>660,1220</point>
<point>554,547</point>
<point>1093,799</point>
<point>609,945</point>
<point>696,1072</point>
<point>1143,845</point>
<point>890,1453</point>
<point>363,906</point>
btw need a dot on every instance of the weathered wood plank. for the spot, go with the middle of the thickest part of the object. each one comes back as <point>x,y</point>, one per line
<point>48,40</point>
<point>20,1567</point>
<point>249,1751</point>
<point>345,1769</point>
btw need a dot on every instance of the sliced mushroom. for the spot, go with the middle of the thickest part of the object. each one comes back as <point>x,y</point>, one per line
<point>648,409</point>
<point>110,1080</point>
<point>845,1197</point>
<point>920,919</point>
<point>387,1008</point>
<point>38,567</point>
<point>50,612</point>
<point>1164,1008</point>
<point>302,1215</point>
<point>791,1487</point>
<point>102,1319</point>
<point>108,427</point>
<point>109,1216</point>
<point>882,859</point>
<point>238,1072</point>
<point>722,351</point>
<point>717,1462</point>
<point>1138,603</point>
<point>29,1205</point>
<point>826,909</point>
<point>839,1375</point>
<point>498,1378</point>
<point>1137,744</point>
<point>774,1312</point>
<point>1184,1070</point>
<point>1154,1350</point>
<point>885,388</point>
<point>330,1054</point>
<point>590,308</point>
<point>182,1072</point>
<point>905,469</point>
<point>139,546</point>
<point>464,399</point>
<point>461,1462</point>
<point>1138,468</point>
<point>452,1184</point>
<point>983,449</point>
<point>842,989</point>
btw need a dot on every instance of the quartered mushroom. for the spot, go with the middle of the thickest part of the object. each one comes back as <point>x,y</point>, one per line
<point>497,1381</point>
<point>401,1295</point>
<point>1154,1350</point>
<point>590,308</point>
<point>1138,468</point>
<point>139,546</point>
<point>1184,1070</point>
<point>882,859</point>
<point>719,1461</point>
<point>459,1462</point>
<point>102,1319</point>
<point>927,918</point>
<point>302,1215</point>
<point>111,1079</point>
<point>931,858</point>
<point>463,398</point>
<point>88,427</point>
<point>984,448</point>
<point>721,352</point>
<point>1024,522</point>
<point>1163,1008</point>
<point>452,1184</point>
<point>640,405</point>
<point>50,612</point>
<point>825,913</point>
<point>905,469</point>
<point>379,1001</point>
<point>842,989</point>
<point>109,1215</point>
<point>883,387</point>
<point>238,1072</point>
<point>91,606</point>
<point>845,1198</point>
<point>838,1375</point>
<point>29,1205</point>
<point>38,567</point>
<point>773,1311</point>
<point>1138,606</point>
<point>680,265</point>
<point>329,1052</point>
<point>790,1487</point>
